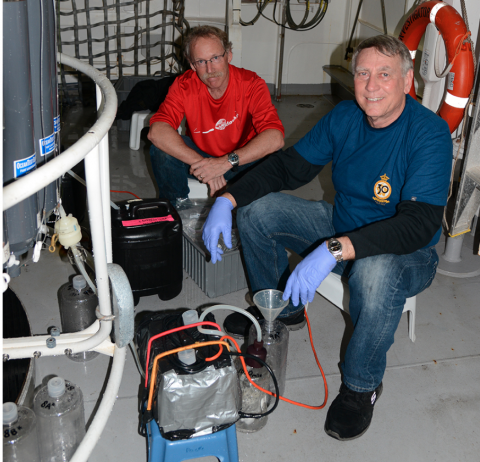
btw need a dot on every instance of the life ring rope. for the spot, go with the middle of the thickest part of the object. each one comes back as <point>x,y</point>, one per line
<point>457,52</point>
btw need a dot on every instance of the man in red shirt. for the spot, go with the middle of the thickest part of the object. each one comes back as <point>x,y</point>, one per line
<point>230,119</point>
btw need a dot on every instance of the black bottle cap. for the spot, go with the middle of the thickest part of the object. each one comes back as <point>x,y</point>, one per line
<point>256,349</point>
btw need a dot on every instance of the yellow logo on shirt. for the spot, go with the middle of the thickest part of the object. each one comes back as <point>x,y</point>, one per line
<point>382,190</point>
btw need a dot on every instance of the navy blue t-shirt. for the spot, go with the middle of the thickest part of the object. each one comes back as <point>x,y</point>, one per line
<point>373,169</point>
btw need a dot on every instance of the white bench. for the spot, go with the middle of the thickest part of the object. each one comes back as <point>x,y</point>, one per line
<point>337,292</point>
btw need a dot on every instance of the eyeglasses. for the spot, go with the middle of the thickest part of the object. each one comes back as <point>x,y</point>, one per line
<point>203,62</point>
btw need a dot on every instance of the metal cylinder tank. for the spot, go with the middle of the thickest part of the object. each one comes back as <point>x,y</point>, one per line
<point>43,59</point>
<point>18,134</point>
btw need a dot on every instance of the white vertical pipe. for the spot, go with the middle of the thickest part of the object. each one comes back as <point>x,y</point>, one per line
<point>233,10</point>
<point>95,213</point>
<point>106,406</point>
<point>105,182</point>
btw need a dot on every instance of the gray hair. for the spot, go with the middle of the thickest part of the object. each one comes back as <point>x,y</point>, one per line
<point>388,46</point>
<point>205,32</point>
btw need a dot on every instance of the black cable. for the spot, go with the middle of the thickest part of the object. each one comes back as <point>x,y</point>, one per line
<point>349,46</point>
<point>260,7</point>
<point>317,19</point>
<point>244,415</point>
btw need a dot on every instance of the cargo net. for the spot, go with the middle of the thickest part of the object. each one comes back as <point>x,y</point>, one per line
<point>139,37</point>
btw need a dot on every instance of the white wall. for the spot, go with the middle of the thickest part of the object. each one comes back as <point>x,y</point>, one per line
<point>306,52</point>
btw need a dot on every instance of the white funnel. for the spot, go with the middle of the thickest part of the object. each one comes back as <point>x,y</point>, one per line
<point>270,303</point>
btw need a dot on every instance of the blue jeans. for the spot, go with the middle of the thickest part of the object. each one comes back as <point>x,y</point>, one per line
<point>379,285</point>
<point>172,174</point>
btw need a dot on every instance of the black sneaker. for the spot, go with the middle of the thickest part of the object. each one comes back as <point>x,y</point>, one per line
<point>238,325</point>
<point>351,413</point>
<point>296,321</point>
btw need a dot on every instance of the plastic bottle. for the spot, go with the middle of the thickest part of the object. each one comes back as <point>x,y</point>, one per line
<point>20,442</point>
<point>275,340</point>
<point>254,401</point>
<point>77,304</point>
<point>61,420</point>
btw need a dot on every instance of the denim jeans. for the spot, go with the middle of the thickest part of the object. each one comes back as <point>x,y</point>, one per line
<point>172,174</point>
<point>379,285</point>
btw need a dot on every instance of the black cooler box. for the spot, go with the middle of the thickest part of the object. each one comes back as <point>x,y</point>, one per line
<point>147,244</point>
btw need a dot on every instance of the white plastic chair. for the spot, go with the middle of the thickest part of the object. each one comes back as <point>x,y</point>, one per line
<point>337,292</point>
<point>197,190</point>
<point>140,119</point>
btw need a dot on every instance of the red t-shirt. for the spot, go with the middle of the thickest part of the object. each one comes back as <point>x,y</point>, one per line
<point>219,126</point>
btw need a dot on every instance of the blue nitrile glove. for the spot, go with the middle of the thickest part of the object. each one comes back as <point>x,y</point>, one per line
<point>308,275</point>
<point>219,220</point>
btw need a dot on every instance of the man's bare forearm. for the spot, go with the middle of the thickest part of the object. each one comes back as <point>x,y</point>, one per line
<point>264,143</point>
<point>165,138</point>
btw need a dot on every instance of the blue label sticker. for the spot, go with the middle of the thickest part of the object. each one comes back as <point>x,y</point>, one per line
<point>56,124</point>
<point>47,145</point>
<point>23,166</point>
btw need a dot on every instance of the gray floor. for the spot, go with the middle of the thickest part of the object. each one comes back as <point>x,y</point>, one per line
<point>430,407</point>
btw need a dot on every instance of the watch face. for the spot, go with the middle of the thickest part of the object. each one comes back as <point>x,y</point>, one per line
<point>233,158</point>
<point>334,246</point>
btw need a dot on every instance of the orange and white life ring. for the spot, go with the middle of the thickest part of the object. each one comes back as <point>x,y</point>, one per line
<point>454,31</point>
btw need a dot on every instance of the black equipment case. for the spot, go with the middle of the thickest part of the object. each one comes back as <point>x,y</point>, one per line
<point>147,244</point>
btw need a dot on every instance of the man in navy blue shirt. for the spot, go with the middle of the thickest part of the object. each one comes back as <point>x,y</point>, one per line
<point>391,161</point>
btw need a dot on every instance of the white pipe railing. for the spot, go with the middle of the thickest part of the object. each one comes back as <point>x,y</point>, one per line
<point>29,184</point>
<point>93,147</point>
<point>108,400</point>
<point>98,189</point>
<point>92,338</point>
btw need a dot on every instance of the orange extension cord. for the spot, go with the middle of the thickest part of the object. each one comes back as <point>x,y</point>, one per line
<point>296,403</point>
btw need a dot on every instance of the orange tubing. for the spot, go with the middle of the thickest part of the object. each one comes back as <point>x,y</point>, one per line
<point>126,192</point>
<point>296,403</point>
<point>171,331</point>
<point>221,342</point>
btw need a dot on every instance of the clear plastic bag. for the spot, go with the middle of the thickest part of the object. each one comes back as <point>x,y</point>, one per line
<point>194,214</point>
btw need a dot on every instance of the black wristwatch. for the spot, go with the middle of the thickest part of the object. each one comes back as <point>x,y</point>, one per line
<point>234,160</point>
<point>334,246</point>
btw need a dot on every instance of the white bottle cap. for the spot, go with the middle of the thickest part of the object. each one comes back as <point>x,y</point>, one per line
<point>79,282</point>
<point>187,356</point>
<point>56,387</point>
<point>190,317</point>
<point>10,413</point>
